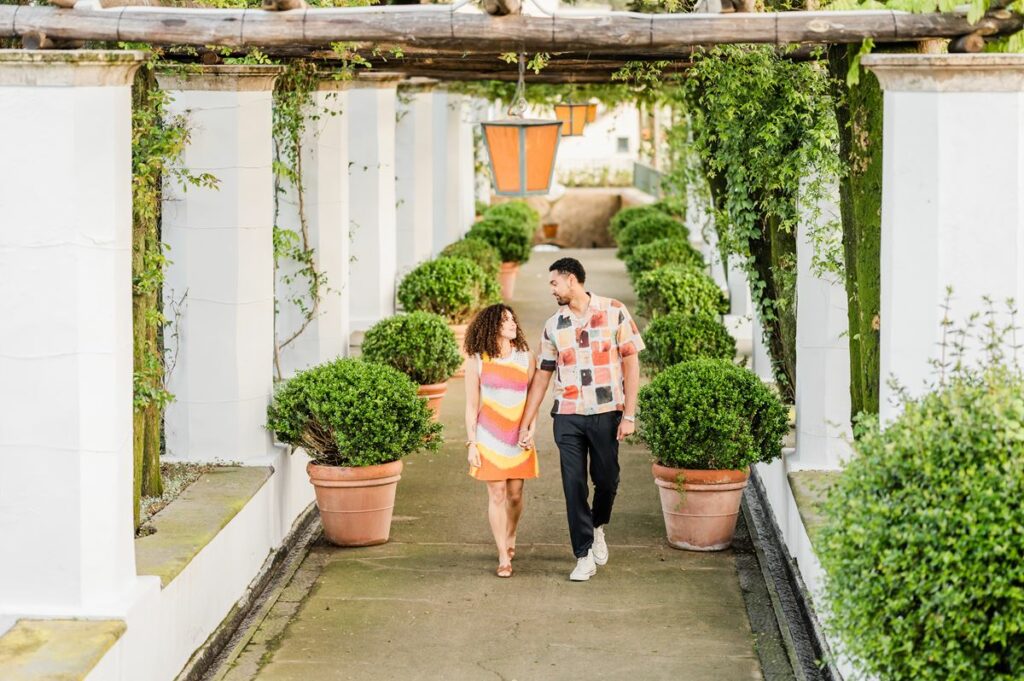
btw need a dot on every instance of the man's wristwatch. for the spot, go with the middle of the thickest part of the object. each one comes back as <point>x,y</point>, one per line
<point>631,419</point>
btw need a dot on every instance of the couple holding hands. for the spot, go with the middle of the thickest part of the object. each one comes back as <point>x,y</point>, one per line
<point>590,345</point>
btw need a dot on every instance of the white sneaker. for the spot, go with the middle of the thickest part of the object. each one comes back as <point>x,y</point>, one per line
<point>600,547</point>
<point>585,568</point>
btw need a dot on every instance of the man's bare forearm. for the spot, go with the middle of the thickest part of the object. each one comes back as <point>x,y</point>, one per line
<point>538,388</point>
<point>631,382</point>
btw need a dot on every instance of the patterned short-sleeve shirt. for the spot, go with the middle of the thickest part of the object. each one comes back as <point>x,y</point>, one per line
<point>586,356</point>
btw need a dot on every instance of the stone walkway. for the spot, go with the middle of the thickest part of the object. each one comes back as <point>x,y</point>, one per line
<point>428,606</point>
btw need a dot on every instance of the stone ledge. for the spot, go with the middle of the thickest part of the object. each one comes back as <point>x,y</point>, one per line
<point>62,650</point>
<point>810,488</point>
<point>192,520</point>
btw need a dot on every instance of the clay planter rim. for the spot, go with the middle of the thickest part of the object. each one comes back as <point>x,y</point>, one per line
<point>695,479</point>
<point>323,475</point>
<point>432,389</point>
<point>510,266</point>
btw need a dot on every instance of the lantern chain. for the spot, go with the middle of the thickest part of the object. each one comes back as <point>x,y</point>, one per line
<point>518,105</point>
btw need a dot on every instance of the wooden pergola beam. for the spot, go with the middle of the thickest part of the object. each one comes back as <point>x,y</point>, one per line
<point>436,26</point>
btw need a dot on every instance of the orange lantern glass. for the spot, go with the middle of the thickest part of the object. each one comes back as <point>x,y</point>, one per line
<point>591,112</point>
<point>522,154</point>
<point>573,117</point>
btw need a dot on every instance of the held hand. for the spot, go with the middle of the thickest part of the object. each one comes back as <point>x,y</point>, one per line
<point>473,457</point>
<point>626,428</point>
<point>526,435</point>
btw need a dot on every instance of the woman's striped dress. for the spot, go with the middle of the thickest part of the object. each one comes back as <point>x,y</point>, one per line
<point>503,385</point>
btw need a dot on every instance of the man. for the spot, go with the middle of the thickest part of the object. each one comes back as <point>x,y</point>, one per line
<point>591,347</point>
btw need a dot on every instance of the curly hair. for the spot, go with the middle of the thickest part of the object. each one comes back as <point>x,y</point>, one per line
<point>484,332</point>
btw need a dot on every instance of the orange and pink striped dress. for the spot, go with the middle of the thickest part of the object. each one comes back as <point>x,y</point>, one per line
<point>503,385</point>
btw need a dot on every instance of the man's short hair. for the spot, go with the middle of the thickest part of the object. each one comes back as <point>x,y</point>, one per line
<point>569,266</point>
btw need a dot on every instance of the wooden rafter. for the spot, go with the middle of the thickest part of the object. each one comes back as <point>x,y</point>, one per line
<point>437,27</point>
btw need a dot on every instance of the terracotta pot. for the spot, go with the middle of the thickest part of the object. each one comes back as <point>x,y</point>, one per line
<point>509,270</point>
<point>700,507</point>
<point>550,230</point>
<point>356,503</point>
<point>460,337</point>
<point>434,393</point>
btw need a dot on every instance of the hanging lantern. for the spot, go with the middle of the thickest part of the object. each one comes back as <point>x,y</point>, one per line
<point>521,150</point>
<point>591,112</point>
<point>573,116</point>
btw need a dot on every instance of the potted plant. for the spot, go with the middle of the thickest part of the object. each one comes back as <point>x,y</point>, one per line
<point>679,337</point>
<point>355,444</point>
<point>706,421</point>
<point>679,288</point>
<point>550,230</point>
<point>454,288</point>
<point>508,236</point>
<point>421,346</point>
<point>480,252</point>
<point>661,252</point>
<point>647,228</point>
<point>517,211</point>
<point>626,216</point>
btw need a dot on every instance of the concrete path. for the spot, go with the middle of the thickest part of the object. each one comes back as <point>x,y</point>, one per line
<point>428,606</point>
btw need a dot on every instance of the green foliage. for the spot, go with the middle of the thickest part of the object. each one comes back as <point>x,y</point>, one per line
<point>352,413</point>
<point>680,337</point>
<point>764,129</point>
<point>678,288</point>
<point>516,211</point>
<point>454,288</point>
<point>922,549</point>
<point>661,252</point>
<point>672,206</point>
<point>476,250</point>
<point>648,228</point>
<point>506,234</point>
<point>419,344</point>
<point>710,414</point>
<point>627,215</point>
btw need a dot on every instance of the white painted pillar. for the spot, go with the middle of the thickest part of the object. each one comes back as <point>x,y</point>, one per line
<point>414,172</point>
<point>760,357</point>
<point>66,332</point>
<point>739,287</point>
<point>371,110</point>
<point>326,207</point>
<point>822,353</point>
<point>453,168</point>
<point>221,253</point>
<point>952,200</point>
<point>481,109</point>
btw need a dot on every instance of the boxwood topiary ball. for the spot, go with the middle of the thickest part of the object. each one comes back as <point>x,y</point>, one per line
<point>626,216</point>
<point>352,413</point>
<point>480,252</point>
<point>419,344</point>
<point>709,414</point>
<point>648,228</point>
<point>518,211</point>
<point>680,337</point>
<point>678,288</point>
<point>661,252</point>
<point>922,546</point>
<point>506,234</point>
<point>454,288</point>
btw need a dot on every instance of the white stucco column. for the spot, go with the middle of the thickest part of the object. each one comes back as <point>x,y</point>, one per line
<point>739,287</point>
<point>760,357</point>
<point>66,332</point>
<point>952,200</point>
<point>222,264</point>
<point>822,352</point>
<point>371,134</point>
<point>326,208</point>
<point>414,172</point>
<point>454,190</point>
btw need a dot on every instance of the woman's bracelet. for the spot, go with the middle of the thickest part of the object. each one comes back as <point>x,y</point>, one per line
<point>470,443</point>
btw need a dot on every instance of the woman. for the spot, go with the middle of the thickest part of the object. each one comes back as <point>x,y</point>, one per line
<point>498,375</point>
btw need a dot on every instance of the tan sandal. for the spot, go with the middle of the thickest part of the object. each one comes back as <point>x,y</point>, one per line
<point>511,553</point>
<point>504,571</point>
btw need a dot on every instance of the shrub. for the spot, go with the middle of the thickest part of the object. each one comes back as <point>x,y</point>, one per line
<point>506,235</point>
<point>626,216</point>
<point>419,344</point>
<point>480,252</point>
<point>352,413</point>
<point>454,288</point>
<point>648,228</point>
<point>710,414</point>
<point>922,544</point>
<point>673,206</point>
<point>679,337</point>
<point>678,288</point>
<point>661,252</point>
<point>519,211</point>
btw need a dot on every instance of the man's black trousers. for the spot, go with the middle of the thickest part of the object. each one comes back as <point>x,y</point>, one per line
<point>580,438</point>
